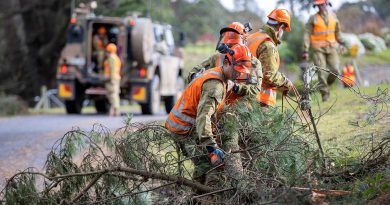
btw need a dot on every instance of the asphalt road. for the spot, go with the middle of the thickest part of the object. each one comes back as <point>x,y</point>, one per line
<point>26,140</point>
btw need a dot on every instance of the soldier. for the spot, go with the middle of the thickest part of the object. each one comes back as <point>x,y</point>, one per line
<point>193,115</point>
<point>112,67</point>
<point>322,35</point>
<point>99,43</point>
<point>246,85</point>
<point>263,45</point>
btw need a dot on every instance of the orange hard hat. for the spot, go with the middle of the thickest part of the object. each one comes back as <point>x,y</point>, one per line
<point>111,48</point>
<point>231,37</point>
<point>236,27</point>
<point>281,16</point>
<point>240,56</point>
<point>319,2</point>
<point>102,30</point>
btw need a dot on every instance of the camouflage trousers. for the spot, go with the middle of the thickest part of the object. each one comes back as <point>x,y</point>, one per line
<point>113,91</point>
<point>326,58</point>
<point>225,176</point>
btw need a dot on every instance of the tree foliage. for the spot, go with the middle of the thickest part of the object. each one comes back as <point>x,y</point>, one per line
<point>142,163</point>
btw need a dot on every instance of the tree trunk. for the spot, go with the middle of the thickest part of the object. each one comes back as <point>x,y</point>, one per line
<point>32,34</point>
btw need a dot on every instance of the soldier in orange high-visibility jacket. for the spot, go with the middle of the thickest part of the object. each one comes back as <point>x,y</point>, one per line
<point>192,118</point>
<point>112,69</point>
<point>263,45</point>
<point>348,76</point>
<point>323,35</point>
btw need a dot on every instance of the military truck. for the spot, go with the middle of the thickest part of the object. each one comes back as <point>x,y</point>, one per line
<point>152,65</point>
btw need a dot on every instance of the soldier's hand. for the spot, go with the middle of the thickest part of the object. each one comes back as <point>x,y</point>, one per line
<point>288,85</point>
<point>305,56</point>
<point>216,154</point>
<point>342,49</point>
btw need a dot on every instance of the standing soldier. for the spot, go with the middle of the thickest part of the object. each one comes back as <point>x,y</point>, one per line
<point>99,44</point>
<point>191,119</point>
<point>263,44</point>
<point>112,68</point>
<point>246,85</point>
<point>322,35</point>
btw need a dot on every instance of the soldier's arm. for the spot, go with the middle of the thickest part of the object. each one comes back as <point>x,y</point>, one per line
<point>206,64</point>
<point>253,86</point>
<point>211,96</point>
<point>339,38</point>
<point>268,59</point>
<point>306,37</point>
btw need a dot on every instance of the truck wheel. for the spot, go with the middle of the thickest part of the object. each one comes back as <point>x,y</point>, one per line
<point>102,105</point>
<point>153,106</point>
<point>142,40</point>
<point>76,105</point>
<point>73,106</point>
<point>171,100</point>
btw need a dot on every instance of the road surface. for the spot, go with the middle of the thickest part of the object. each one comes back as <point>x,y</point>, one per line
<point>26,140</point>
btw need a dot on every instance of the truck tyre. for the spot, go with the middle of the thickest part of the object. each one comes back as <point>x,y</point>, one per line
<point>142,40</point>
<point>171,100</point>
<point>102,105</point>
<point>153,106</point>
<point>75,106</point>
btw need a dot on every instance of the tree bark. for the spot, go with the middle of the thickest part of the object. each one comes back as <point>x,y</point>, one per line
<point>32,35</point>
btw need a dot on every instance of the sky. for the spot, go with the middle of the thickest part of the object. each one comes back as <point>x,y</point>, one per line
<point>268,5</point>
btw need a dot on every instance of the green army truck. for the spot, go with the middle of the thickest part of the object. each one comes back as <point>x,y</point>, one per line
<point>152,66</point>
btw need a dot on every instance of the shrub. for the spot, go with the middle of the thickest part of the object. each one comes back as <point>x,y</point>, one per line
<point>12,105</point>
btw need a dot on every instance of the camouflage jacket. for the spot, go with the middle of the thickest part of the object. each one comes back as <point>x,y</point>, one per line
<point>268,55</point>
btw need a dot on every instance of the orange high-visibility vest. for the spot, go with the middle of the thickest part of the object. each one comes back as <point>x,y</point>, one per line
<point>323,34</point>
<point>182,117</point>
<point>348,76</point>
<point>267,93</point>
<point>117,67</point>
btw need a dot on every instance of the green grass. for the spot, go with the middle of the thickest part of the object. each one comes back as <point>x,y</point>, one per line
<point>348,110</point>
<point>371,58</point>
<point>194,54</point>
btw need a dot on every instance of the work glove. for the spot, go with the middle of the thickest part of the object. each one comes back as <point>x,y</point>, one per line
<point>305,56</point>
<point>195,75</point>
<point>287,86</point>
<point>232,86</point>
<point>235,88</point>
<point>216,154</point>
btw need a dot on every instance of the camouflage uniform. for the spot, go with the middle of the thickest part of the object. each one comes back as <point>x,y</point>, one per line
<point>99,43</point>
<point>113,83</point>
<point>324,57</point>
<point>268,55</point>
<point>250,88</point>
<point>194,144</point>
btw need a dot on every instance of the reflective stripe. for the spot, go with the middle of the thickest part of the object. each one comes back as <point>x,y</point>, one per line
<point>179,114</point>
<point>255,39</point>
<point>178,126</point>
<point>211,72</point>
<point>323,32</point>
